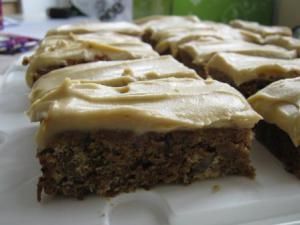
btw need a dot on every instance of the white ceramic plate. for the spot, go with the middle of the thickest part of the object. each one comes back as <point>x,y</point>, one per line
<point>272,198</point>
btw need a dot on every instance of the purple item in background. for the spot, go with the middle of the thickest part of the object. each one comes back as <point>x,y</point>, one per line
<point>1,16</point>
<point>10,44</point>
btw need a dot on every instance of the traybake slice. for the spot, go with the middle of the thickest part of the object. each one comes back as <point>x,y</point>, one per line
<point>249,73</point>
<point>153,23</point>
<point>263,30</point>
<point>64,50</point>
<point>166,34</point>
<point>168,40</point>
<point>113,73</point>
<point>92,27</point>
<point>279,104</point>
<point>196,54</point>
<point>289,43</point>
<point>108,140</point>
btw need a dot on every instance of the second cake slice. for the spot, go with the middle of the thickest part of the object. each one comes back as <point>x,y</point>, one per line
<point>107,140</point>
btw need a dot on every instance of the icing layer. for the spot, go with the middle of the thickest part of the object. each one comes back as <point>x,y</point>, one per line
<point>202,52</point>
<point>279,104</point>
<point>113,73</point>
<point>241,68</point>
<point>261,29</point>
<point>158,105</point>
<point>91,27</point>
<point>62,50</point>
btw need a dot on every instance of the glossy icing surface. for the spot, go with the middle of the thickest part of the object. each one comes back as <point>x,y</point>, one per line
<point>242,68</point>
<point>261,29</point>
<point>160,105</point>
<point>90,27</point>
<point>62,50</point>
<point>279,104</point>
<point>202,52</point>
<point>114,73</point>
<point>285,42</point>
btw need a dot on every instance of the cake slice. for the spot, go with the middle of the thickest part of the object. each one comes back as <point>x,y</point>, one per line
<point>108,140</point>
<point>196,54</point>
<point>92,27</point>
<point>249,73</point>
<point>170,39</point>
<point>166,41</point>
<point>263,30</point>
<point>279,105</point>
<point>152,21</point>
<point>289,43</point>
<point>113,73</point>
<point>64,50</point>
<point>151,25</point>
<point>166,34</point>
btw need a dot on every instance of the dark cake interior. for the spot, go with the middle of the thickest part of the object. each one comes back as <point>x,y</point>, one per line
<point>279,144</point>
<point>108,162</point>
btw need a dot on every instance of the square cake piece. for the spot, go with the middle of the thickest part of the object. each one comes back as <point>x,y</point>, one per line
<point>279,105</point>
<point>196,54</point>
<point>150,25</point>
<point>168,40</point>
<point>249,73</point>
<point>108,140</point>
<point>289,43</point>
<point>92,27</point>
<point>167,33</point>
<point>59,51</point>
<point>263,30</point>
<point>113,73</point>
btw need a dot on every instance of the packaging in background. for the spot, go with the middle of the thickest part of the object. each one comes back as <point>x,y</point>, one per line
<point>11,44</point>
<point>1,16</point>
<point>105,10</point>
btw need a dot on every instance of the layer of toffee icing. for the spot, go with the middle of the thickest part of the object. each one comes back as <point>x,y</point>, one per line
<point>261,29</point>
<point>114,73</point>
<point>201,52</point>
<point>91,27</point>
<point>160,105</point>
<point>63,50</point>
<point>242,68</point>
<point>279,104</point>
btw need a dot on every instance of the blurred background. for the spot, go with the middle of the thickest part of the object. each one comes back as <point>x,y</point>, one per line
<point>282,12</point>
<point>24,22</point>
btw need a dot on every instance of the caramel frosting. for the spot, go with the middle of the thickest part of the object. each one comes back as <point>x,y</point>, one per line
<point>113,73</point>
<point>160,105</point>
<point>285,42</point>
<point>279,104</point>
<point>178,30</point>
<point>156,23</point>
<point>63,50</point>
<point>201,52</point>
<point>172,38</point>
<point>149,21</point>
<point>241,68</point>
<point>261,29</point>
<point>91,27</point>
